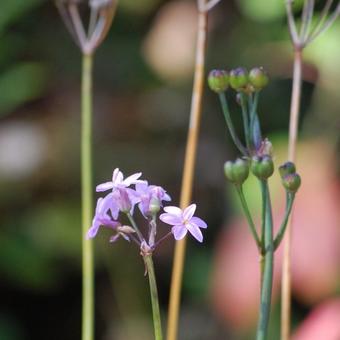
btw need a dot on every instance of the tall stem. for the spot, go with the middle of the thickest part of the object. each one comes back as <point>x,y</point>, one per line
<point>267,279</point>
<point>188,171</point>
<point>293,131</point>
<point>154,297</point>
<point>86,193</point>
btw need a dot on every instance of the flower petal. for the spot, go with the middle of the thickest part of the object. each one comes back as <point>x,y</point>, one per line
<point>92,232</point>
<point>179,231</point>
<point>99,205</point>
<point>170,219</point>
<point>189,212</point>
<point>174,211</point>
<point>104,186</point>
<point>117,176</point>
<point>131,179</point>
<point>105,203</point>
<point>166,197</point>
<point>198,222</point>
<point>195,232</point>
<point>142,187</point>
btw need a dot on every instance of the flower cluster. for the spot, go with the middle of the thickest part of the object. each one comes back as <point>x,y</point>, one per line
<point>123,198</point>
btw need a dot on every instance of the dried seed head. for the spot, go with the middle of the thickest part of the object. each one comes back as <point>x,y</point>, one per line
<point>101,16</point>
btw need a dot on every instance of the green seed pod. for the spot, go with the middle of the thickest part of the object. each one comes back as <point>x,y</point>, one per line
<point>237,172</point>
<point>258,78</point>
<point>218,80</point>
<point>262,167</point>
<point>286,169</point>
<point>291,182</point>
<point>238,78</point>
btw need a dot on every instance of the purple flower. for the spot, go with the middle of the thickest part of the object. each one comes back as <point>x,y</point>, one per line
<point>119,181</point>
<point>125,199</point>
<point>184,221</point>
<point>102,218</point>
<point>150,197</point>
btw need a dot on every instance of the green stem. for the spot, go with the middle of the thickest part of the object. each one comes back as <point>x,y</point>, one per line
<point>245,120</point>
<point>86,192</point>
<point>280,234</point>
<point>248,216</point>
<point>154,297</point>
<point>264,208</point>
<point>266,289</point>
<point>253,103</point>
<point>134,226</point>
<point>255,130</point>
<point>230,124</point>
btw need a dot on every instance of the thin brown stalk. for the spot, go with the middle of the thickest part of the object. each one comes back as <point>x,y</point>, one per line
<point>188,172</point>
<point>293,132</point>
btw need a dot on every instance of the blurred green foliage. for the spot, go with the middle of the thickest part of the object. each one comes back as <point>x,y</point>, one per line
<point>140,123</point>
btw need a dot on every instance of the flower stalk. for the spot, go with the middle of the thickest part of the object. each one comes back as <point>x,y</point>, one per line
<point>87,206</point>
<point>122,198</point>
<point>154,297</point>
<point>267,265</point>
<point>188,170</point>
<point>300,38</point>
<point>258,159</point>
<point>101,16</point>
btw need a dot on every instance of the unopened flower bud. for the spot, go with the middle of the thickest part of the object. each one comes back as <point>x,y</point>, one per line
<point>238,78</point>
<point>291,182</point>
<point>218,80</point>
<point>154,206</point>
<point>258,78</point>
<point>287,169</point>
<point>262,167</point>
<point>126,229</point>
<point>237,172</point>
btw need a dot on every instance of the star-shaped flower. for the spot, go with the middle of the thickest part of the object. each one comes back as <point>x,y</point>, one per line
<point>119,181</point>
<point>184,221</point>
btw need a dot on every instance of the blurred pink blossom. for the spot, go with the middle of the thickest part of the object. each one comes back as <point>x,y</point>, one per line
<point>321,323</point>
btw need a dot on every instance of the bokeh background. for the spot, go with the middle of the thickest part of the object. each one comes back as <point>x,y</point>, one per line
<point>143,78</point>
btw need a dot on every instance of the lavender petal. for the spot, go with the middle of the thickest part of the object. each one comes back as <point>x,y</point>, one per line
<point>131,179</point>
<point>198,222</point>
<point>189,212</point>
<point>179,231</point>
<point>195,232</point>
<point>104,186</point>
<point>170,219</point>
<point>173,211</point>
